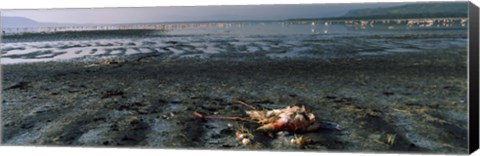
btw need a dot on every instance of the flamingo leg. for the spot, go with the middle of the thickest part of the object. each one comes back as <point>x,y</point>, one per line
<point>244,104</point>
<point>217,117</point>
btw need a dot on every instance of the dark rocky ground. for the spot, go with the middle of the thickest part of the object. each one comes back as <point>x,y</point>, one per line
<point>407,102</point>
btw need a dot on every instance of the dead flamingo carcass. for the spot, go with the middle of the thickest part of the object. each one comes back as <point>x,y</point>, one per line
<point>292,118</point>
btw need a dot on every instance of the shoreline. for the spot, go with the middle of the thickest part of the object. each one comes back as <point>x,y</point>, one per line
<point>418,97</point>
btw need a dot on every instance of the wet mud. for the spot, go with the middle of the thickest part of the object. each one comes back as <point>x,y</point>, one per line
<point>407,102</point>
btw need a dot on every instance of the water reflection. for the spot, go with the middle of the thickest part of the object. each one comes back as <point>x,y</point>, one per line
<point>283,27</point>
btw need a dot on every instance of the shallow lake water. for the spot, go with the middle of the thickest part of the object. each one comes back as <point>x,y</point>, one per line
<point>242,40</point>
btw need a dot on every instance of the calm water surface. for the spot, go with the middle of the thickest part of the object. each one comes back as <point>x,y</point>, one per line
<point>245,40</point>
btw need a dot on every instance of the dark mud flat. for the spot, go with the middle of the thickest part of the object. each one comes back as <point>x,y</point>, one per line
<point>407,102</point>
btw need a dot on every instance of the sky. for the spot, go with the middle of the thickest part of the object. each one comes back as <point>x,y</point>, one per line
<point>196,13</point>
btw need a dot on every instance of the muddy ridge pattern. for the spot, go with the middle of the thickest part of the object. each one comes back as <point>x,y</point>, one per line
<point>411,102</point>
<point>321,46</point>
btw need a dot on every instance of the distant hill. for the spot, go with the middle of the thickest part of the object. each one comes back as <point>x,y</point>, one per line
<point>17,22</point>
<point>417,10</point>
